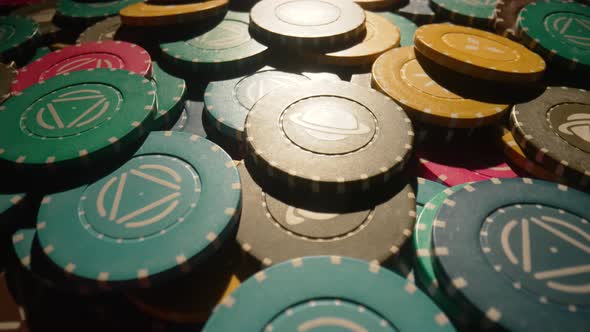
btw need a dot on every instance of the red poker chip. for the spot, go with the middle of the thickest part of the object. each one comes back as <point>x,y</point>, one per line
<point>453,164</point>
<point>105,54</point>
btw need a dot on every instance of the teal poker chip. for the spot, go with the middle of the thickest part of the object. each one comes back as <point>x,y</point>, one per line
<point>9,216</point>
<point>516,251</point>
<point>228,102</point>
<point>81,116</point>
<point>227,47</point>
<point>30,259</point>
<point>172,205</point>
<point>39,53</point>
<point>15,33</point>
<point>406,27</point>
<point>41,12</point>
<point>170,92</point>
<point>558,31</point>
<point>8,201</point>
<point>82,10</point>
<point>424,264</point>
<point>426,190</point>
<point>328,293</point>
<point>22,243</point>
<point>417,11</point>
<point>478,13</point>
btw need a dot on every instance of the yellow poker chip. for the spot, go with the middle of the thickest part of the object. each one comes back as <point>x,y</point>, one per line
<point>479,53</point>
<point>376,4</point>
<point>382,35</point>
<point>514,153</point>
<point>147,14</point>
<point>398,74</point>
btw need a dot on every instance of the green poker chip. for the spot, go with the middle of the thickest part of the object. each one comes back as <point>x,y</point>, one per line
<point>475,13</point>
<point>424,265</point>
<point>406,27</point>
<point>327,293</point>
<point>170,92</point>
<point>22,243</point>
<point>81,116</point>
<point>15,33</point>
<point>169,207</point>
<point>91,10</point>
<point>558,31</point>
<point>226,47</point>
<point>9,216</point>
<point>426,190</point>
<point>514,254</point>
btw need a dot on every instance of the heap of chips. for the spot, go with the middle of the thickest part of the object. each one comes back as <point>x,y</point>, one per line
<point>294,165</point>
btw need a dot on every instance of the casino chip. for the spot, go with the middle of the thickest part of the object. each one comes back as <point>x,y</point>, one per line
<point>406,27</point>
<point>272,231</point>
<point>327,293</point>
<point>399,75</point>
<point>228,102</point>
<point>426,190</point>
<point>327,25</point>
<point>192,297</point>
<point>478,13</point>
<point>169,207</point>
<point>12,315</point>
<point>461,162</point>
<point>424,264</point>
<point>506,17</point>
<point>39,52</point>
<point>519,260</point>
<point>226,48</point>
<point>91,11</point>
<point>479,53</point>
<point>22,242</point>
<point>17,32</point>
<point>376,4</point>
<point>42,13</point>
<point>514,153</point>
<point>553,130</point>
<point>112,29</point>
<point>191,119</point>
<point>361,79</point>
<point>101,31</point>
<point>418,11</point>
<point>170,92</point>
<point>108,54</point>
<point>164,14</point>
<point>558,31</point>
<point>7,75</point>
<point>180,124</point>
<point>380,37</point>
<point>75,117</point>
<point>328,124</point>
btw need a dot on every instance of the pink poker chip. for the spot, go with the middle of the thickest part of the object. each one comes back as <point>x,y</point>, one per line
<point>451,164</point>
<point>105,54</point>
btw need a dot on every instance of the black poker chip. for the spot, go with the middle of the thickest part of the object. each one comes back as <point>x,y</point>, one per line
<point>326,136</point>
<point>375,227</point>
<point>553,130</point>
